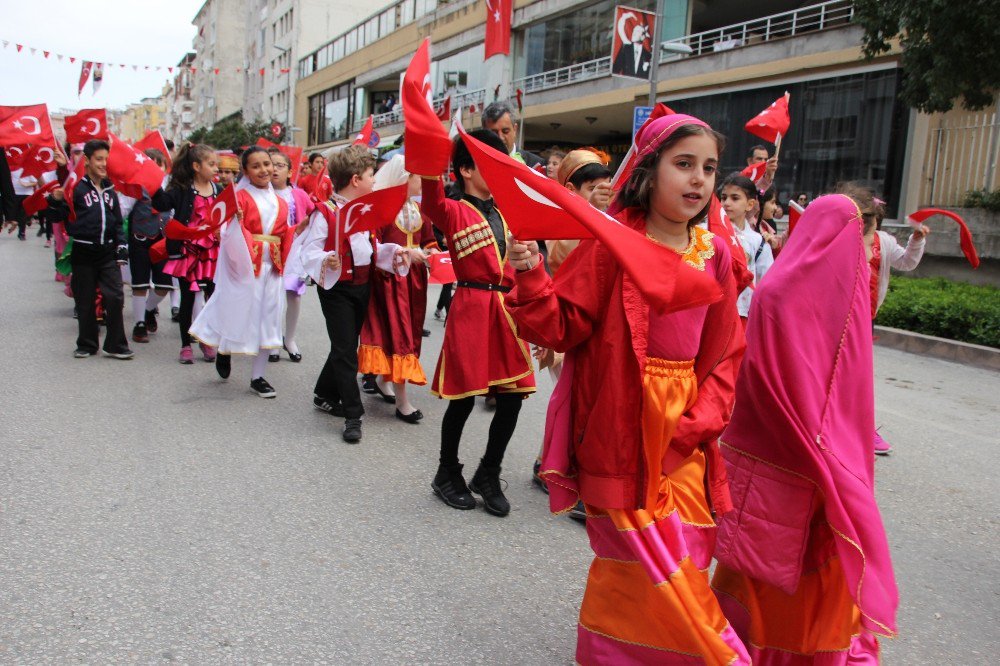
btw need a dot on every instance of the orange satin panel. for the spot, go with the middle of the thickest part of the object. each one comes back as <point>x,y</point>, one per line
<point>820,617</point>
<point>669,388</point>
<point>397,369</point>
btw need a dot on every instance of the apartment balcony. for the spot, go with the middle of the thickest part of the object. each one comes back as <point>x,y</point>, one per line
<point>392,122</point>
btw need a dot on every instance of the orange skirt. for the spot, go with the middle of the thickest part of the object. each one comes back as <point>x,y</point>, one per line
<point>648,599</point>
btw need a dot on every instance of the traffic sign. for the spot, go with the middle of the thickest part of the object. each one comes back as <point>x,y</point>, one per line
<point>640,115</point>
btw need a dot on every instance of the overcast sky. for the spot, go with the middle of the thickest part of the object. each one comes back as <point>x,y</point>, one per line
<point>133,32</point>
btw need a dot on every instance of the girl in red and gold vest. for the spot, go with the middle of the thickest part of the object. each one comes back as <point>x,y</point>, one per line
<point>246,312</point>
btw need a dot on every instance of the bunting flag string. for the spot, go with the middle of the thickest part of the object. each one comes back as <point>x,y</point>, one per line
<point>171,69</point>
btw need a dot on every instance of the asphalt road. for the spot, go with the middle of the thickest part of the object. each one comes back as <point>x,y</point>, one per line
<point>151,513</point>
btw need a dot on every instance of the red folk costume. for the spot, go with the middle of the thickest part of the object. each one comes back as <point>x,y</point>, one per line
<point>393,330</point>
<point>481,352</point>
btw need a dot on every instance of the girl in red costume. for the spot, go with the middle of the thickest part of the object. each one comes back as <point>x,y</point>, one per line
<point>246,312</point>
<point>393,330</point>
<point>641,401</point>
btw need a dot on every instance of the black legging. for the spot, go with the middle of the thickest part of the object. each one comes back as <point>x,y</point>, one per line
<point>186,312</point>
<point>501,428</point>
<point>444,300</point>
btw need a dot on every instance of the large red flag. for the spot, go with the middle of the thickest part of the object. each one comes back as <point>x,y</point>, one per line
<point>364,137</point>
<point>26,124</point>
<point>36,201</point>
<point>428,148</point>
<point>538,207</point>
<point>38,160</point>
<point>498,17</point>
<point>87,124</point>
<point>772,122</point>
<point>154,139</point>
<point>368,213</point>
<point>294,155</point>
<point>131,171</point>
<point>965,236</point>
<point>224,207</point>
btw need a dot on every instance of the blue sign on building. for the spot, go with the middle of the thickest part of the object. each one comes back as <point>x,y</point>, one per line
<point>640,115</point>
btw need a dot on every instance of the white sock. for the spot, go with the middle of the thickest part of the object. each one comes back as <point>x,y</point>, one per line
<point>175,295</point>
<point>260,364</point>
<point>199,303</point>
<point>153,300</point>
<point>138,308</point>
<point>294,303</point>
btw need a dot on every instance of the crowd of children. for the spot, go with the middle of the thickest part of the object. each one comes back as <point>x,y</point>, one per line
<point>680,435</point>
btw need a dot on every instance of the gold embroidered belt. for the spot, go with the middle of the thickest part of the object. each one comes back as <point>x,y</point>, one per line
<point>263,238</point>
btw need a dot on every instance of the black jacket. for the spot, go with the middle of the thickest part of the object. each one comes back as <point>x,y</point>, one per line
<point>98,214</point>
<point>181,201</point>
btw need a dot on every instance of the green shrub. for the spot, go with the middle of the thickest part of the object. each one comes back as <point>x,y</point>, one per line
<point>946,309</point>
<point>982,199</point>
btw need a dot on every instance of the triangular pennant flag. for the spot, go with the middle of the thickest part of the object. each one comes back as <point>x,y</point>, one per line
<point>170,69</point>
<point>59,57</point>
<point>72,59</point>
<point>122,66</point>
<point>33,50</point>
<point>19,47</point>
<point>46,53</point>
<point>135,68</point>
<point>6,43</point>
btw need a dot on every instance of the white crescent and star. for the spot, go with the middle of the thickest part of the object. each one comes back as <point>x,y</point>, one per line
<point>41,151</point>
<point>97,126</point>
<point>37,125</point>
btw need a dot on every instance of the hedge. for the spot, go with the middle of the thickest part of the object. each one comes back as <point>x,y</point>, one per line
<point>946,309</point>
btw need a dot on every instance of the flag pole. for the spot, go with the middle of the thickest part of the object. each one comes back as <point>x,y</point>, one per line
<point>777,144</point>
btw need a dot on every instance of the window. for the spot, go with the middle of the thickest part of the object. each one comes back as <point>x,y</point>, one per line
<point>462,71</point>
<point>330,114</point>
<point>338,49</point>
<point>846,128</point>
<point>406,8</point>
<point>352,42</point>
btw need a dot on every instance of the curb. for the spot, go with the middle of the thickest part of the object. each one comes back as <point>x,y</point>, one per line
<point>948,350</point>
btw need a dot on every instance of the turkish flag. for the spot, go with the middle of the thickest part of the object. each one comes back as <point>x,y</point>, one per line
<point>26,124</point>
<point>87,124</point>
<point>628,164</point>
<point>428,148</point>
<point>364,137</point>
<point>754,171</point>
<point>293,153</point>
<point>368,213</point>
<point>74,177</point>
<point>965,236</point>
<point>131,171</point>
<point>794,213</point>
<point>223,208</point>
<point>720,225</point>
<point>155,141</point>
<point>444,113</point>
<point>442,270</point>
<point>38,160</point>
<point>85,68</point>
<point>498,17</point>
<point>772,122</point>
<point>36,200</point>
<point>15,156</point>
<point>537,207</point>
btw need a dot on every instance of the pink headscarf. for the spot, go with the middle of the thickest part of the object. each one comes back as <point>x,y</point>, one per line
<point>650,137</point>
<point>805,395</point>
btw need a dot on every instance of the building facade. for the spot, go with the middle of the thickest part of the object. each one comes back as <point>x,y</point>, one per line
<point>139,119</point>
<point>179,102</point>
<point>847,123</point>
<point>218,81</point>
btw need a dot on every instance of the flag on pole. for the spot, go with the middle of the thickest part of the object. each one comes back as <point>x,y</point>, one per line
<point>965,236</point>
<point>154,139</point>
<point>772,123</point>
<point>428,148</point>
<point>498,18</point>
<point>85,125</point>
<point>98,76</point>
<point>21,125</point>
<point>364,137</point>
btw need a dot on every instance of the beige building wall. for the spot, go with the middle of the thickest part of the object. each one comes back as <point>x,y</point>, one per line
<point>218,44</point>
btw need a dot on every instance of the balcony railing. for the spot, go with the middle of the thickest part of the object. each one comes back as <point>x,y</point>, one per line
<point>459,101</point>
<point>830,14</point>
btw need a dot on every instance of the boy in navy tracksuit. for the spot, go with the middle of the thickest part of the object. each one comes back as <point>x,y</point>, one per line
<point>99,249</point>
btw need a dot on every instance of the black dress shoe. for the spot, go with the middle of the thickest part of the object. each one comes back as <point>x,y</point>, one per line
<point>294,358</point>
<point>486,484</point>
<point>263,388</point>
<point>274,357</point>
<point>224,365</point>
<point>150,320</point>
<point>413,417</point>
<point>450,486</point>
<point>175,314</point>
<point>427,333</point>
<point>391,399</point>
<point>368,384</point>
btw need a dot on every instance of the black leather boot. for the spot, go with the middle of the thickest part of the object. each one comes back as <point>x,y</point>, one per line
<point>449,485</point>
<point>486,484</point>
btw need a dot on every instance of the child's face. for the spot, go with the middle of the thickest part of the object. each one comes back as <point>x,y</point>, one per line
<point>259,169</point>
<point>227,177</point>
<point>769,209</point>
<point>364,183</point>
<point>685,178</point>
<point>735,202</point>
<point>279,177</point>
<point>553,165</point>
<point>207,168</point>
<point>318,165</point>
<point>586,189</point>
